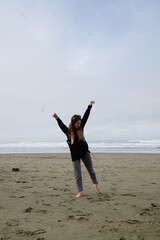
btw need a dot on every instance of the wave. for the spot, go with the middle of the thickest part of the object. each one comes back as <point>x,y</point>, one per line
<point>139,146</point>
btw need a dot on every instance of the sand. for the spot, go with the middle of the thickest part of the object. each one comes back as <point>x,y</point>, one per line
<point>38,202</point>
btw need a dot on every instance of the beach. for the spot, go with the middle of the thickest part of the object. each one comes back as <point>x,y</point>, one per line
<point>37,198</point>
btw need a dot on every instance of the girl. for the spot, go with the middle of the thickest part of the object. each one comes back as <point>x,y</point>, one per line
<point>79,147</point>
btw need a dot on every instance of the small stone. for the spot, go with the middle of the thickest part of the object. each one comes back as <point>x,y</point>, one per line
<point>15,169</point>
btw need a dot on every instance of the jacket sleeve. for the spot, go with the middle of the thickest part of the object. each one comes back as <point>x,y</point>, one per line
<point>85,116</point>
<point>62,126</point>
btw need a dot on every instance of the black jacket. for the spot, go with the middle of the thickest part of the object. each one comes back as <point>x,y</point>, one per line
<point>78,148</point>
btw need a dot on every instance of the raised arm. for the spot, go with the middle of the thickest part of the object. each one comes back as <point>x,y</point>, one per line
<point>86,114</point>
<point>62,126</point>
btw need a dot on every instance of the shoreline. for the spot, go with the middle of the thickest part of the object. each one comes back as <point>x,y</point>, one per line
<point>38,202</point>
<point>112,146</point>
<point>68,153</point>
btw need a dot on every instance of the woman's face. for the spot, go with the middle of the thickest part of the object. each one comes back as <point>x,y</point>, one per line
<point>77,124</point>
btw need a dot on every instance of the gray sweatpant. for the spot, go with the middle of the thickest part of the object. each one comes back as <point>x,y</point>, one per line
<point>77,171</point>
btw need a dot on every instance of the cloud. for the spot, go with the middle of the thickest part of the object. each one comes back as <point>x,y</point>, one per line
<point>57,56</point>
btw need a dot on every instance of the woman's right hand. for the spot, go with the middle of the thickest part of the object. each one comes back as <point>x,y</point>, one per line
<point>55,116</point>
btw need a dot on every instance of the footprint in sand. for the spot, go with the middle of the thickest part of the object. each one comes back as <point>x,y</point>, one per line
<point>29,210</point>
<point>26,187</point>
<point>79,216</point>
<point>128,194</point>
<point>66,190</point>
<point>113,190</point>
<point>46,204</point>
<point>133,237</point>
<point>132,221</point>
<point>12,222</point>
<point>154,205</point>
<point>20,181</point>
<point>13,196</point>
<point>99,198</point>
<point>41,211</point>
<point>105,229</point>
<point>89,198</point>
<point>31,233</point>
<point>37,202</point>
<point>152,210</point>
<point>145,211</point>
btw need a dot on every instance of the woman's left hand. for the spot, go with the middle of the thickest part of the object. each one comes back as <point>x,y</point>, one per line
<point>92,102</point>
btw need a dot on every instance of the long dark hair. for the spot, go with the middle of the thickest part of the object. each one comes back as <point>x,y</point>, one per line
<point>71,130</point>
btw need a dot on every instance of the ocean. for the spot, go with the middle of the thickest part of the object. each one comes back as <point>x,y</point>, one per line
<point>132,146</point>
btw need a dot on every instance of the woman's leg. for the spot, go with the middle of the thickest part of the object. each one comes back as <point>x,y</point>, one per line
<point>88,164</point>
<point>78,177</point>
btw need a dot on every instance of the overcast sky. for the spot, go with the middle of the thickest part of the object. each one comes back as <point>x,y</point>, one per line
<point>57,55</point>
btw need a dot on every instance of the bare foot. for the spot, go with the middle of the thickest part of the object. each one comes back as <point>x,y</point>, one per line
<point>96,188</point>
<point>80,194</point>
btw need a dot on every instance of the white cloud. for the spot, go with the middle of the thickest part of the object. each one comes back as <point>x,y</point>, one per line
<point>57,57</point>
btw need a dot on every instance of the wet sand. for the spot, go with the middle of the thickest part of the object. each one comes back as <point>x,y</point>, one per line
<point>38,202</point>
